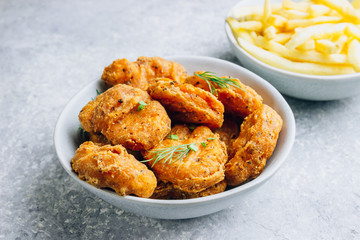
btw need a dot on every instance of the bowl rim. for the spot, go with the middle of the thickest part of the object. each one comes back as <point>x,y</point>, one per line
<point>263,177</point>
<point>333,78</point>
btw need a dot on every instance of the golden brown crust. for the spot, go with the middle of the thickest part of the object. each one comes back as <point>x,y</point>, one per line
<point>199,169</point>
<point>112,167</point>
<point>255,144</point>
<point>181,130</point>
<point>228,132</point>
<point>141,130</point>
<point>188,103</point>
<point>167,191</point>
<point>140,73</point>
<point>240,102</point>
<point>157,67</point>
<point>125,72</point>
<point>115,114</point>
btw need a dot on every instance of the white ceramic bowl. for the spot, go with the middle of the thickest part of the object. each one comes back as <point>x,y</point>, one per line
<point>303,86</point>
<point>66,139</point>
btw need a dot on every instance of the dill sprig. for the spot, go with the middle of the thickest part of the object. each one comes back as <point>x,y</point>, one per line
<point>222,82</point>
<point>174,137</point>
<point>97,94</point>
<point>84,135</point>
<point>141,106</point>
<point>172,154</point>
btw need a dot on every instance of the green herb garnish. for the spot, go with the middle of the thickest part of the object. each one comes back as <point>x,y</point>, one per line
<point>213,80</point>
<point>97,94</point>
<point>142,104</point>
<point>80,128</point>
<point>193,147</point>
<point>172,154</point>
<point>83,134</point>
<point>204,144</point>
<point>211,138</point>
<point>174,137</point>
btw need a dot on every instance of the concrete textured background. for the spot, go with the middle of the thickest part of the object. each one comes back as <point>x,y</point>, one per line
<point>49,50</point>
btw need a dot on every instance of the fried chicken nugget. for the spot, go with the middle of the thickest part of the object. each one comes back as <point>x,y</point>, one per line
<point>228,132</point>
<point>167,191</point>
<point>203,162</point>
<point>254,146</point>
<point>187,103</point>
<point>120,114</point>
<point>140,73</point>
<point>238,101</point>
<point>112,167</point>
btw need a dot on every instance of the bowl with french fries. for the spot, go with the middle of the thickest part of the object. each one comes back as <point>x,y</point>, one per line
<point>307,49</point>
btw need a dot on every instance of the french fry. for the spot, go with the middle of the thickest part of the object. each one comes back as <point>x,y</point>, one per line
<point>266,13</point>
<point>307,45</point>
<point>295,23</point>
<point>298,67</point>
<point>282,37</point>
<point>340,43</point>
<point>269,32</point>
<point>277,20</point>
<point>333,12</point>
<point>298,55</point>
<point>316,31</point>
<point>344,7</point>
<point>317,10</point>
<point>238,32</point>
<point>292,14</point>
<point>246,25</point>
<point>325,46</point>
<point>352,31</point>
<point>245,35</point>
<point>253,35</point>
<point>354,54</point>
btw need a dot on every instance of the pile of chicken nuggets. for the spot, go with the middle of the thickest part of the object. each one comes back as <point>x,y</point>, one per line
<point>157,132</point>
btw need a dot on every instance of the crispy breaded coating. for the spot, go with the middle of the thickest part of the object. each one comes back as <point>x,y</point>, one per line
<point>125,72</point>
<point>140,130</point>
<point>140,73</point>
<point>228,132</point>
<point>238,101</point>
<point>199,169</point>
<point>254,146</point>
<point>112,167</point>
<point>118,115</point>
<point>167,191</point>
<point>181,130</point>
<point>187,103</point>
<point>157,67</point>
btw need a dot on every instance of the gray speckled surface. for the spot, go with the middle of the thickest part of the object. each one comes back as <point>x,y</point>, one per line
<point>49,50</point>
